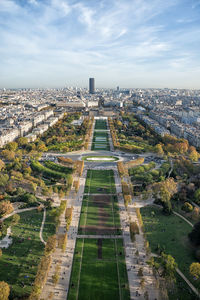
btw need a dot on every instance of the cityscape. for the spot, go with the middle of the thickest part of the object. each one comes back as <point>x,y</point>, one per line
<point>99,150</point>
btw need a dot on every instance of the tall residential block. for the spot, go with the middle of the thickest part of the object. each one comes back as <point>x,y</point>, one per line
<point>91,86</point>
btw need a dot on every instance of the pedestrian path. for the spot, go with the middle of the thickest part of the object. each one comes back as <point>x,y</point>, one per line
<point>60,291</point>
<point>90,236</point>
<point>136,257</point>
<point>42,226</point>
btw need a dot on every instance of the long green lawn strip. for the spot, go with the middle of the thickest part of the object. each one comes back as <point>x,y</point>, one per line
<point>99,277</point>
<point>73,287</point>
<point>124,286</point>
<point>100,124</point>
<point>101,182</point>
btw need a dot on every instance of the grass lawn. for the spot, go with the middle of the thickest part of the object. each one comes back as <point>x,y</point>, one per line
<point>181,291</point>
<point>100,141</point>
<point>100,182</point>
<point>171,233</point>
<point>49,225</point>
<point>18,264</point>
<point>100,124</point>
<point>100,215</point>
<point>99,274</point>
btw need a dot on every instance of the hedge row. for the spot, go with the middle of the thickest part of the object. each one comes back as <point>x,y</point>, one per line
<point>36,166</point>
<point>58,168</point>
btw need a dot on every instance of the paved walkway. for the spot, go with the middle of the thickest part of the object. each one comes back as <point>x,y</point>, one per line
<point>90,236</point>
<point>135,262</point>
<point>188,282</point>
<point>180,216</point>
<point>183,277</point>
<point>18,211</point>
<point>60,291</point>
<point>42,226</point>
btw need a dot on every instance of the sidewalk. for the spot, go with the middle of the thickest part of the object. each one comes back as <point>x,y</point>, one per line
<point>61,289</point>
<point>134,262</point>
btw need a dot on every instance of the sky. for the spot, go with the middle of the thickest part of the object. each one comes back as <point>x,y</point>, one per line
<point>126,43</point>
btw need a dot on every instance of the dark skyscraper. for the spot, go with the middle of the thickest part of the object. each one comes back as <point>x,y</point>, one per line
<point>91,86</point>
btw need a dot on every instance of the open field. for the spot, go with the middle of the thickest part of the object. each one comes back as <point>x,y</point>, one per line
<point>100,182</point>
<point>99,215</point>
<point>19,262</point>
<point>171,233</point>
<point>100,124</point>
<point>100,141</point>
<point>101,269</point>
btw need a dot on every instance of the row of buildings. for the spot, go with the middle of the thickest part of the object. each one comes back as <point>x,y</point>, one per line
<point>175,112</point>
<point>25,121</point>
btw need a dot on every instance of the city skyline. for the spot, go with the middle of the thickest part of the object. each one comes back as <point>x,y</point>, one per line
<point>140,43</point>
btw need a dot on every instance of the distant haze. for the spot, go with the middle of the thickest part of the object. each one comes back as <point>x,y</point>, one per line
<point>130,43</point>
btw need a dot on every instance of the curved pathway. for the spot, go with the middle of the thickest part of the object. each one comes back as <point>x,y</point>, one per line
<point>177,214</point>
<point>42,226</point>
<point>183,277</point>
<point>18,211</point>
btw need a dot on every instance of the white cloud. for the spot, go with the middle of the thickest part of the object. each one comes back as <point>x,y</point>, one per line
<point>33,2</point>
<point>112,38</point>
<point>86,14</point>
<point>8,6</point>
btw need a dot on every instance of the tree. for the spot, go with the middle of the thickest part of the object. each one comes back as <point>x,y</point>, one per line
<point>169,266</point>
<point>4,290</point>
<point>195,214</point>
<point>15,219</point>
<point>34,186</point>
<point>193,154</point>
<point>61,194</point>
<point>5,207</point>
<point>197,195</point>
<point>159,149</point>
<point>195,270</point>
<point>163,191</point>
<point>3,180</point>
<point>1,252</point>
<point>29,198</point>
<point>12,146</point>
<point>7,154</point>
<point>22,141</point>
<point>194,235</point>
<point>187,207</point>
<point>50,245</point>
<point>2,165</point>
<point>42,147</point>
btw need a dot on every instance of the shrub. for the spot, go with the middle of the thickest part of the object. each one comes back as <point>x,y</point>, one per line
<point>187,207</point>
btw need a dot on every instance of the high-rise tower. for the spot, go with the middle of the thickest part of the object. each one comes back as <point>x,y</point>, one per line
<point>91,86</point>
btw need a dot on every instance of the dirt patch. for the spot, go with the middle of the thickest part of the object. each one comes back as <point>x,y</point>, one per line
<point>99,243</point>
<point>105,230</point>
<point>104,214</point>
